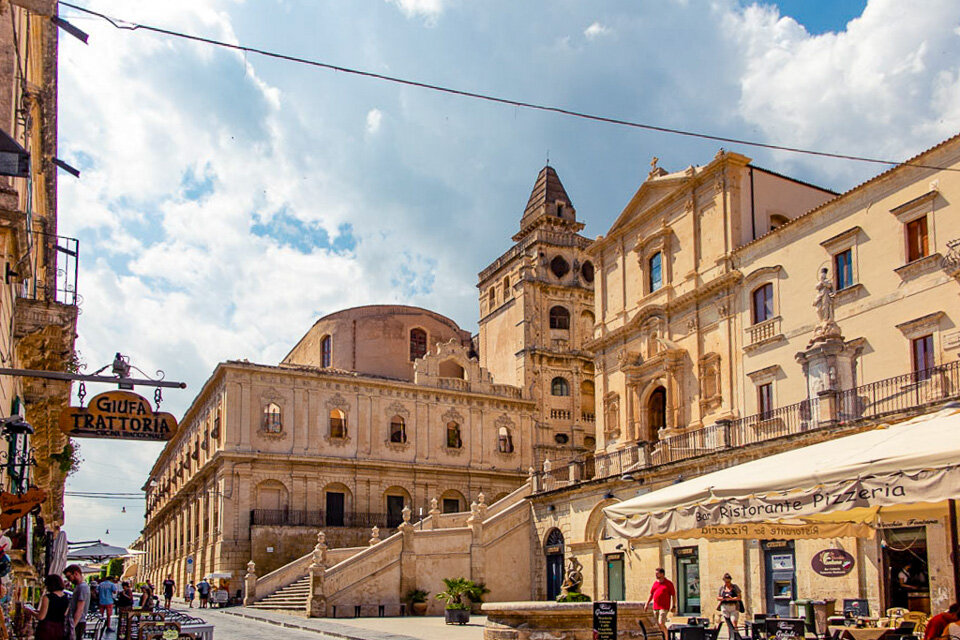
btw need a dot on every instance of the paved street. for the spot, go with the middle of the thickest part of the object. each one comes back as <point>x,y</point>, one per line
<point>239,623</point>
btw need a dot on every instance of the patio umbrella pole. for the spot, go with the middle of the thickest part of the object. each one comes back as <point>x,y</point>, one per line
<point>953,548</point>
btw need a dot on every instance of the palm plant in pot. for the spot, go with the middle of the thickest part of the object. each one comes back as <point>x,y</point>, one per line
<point>475,593</point>
<point>455,611</point>
<point>418,601</point>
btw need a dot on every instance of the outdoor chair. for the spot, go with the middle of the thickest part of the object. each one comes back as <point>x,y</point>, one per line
<point>95,627</point>
<point>918,618</point>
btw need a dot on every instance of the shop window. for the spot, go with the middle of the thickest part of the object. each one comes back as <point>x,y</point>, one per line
<point>765,400</point>
<point>762,303</point>
<point>453,435</point>
<point>272,418</point>
<point>338,424</point>
<point>504,440</point>
<point>418,344</point>
<point>923,358</point>
<point>326,351</point>
<point>843,269</point>
<point>559,318</point>
<point>917,239</point>
<point>655,272</point>
<point>560,387</point>
<point>398,430</point>
<point>559,266</point>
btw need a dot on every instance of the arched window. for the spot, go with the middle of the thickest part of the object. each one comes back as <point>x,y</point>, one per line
<point>657,409</point>
<point>453,435</point>
<point>559,318</point>
<point>272,418</point>
<point>560,387</point>
<point>506,287</point>
<point>398,430</point>
<point>762,303</point>
<point>326,351</point>
<point>559,266</point>
<point>655,274</point>
<point>418,344</point>
<point>586,270</point>
<point>777,220</point>
<point>588,403</point>
<point>492,298</point>
<point>504,440</point>
<point>338,424</point>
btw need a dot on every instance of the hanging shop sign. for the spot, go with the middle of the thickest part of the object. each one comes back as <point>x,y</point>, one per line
<point>14,506</point>
<point>832,563</point>
<point>118,414</point>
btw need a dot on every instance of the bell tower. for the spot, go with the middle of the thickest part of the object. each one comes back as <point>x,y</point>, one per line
<point>536,313</point>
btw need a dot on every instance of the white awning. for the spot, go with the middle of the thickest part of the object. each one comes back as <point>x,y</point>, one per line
<point>846,479</point>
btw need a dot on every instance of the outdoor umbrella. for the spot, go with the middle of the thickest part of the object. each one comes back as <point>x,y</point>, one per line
<point>97,551</point>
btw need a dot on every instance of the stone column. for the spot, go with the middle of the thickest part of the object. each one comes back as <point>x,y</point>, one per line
<point>317,605</point>
<point>477,560</point>
<point>408,556</point>
<point>250,584</point>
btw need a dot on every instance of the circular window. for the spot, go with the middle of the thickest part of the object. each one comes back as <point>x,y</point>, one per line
<point>590,442</point>
<point>587,271</point>
<point>562,438</point>
<point>559,266</point>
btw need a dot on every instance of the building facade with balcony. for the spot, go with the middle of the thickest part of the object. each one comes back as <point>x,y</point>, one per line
<point>38,296</point>
<point>766,325</point>
<point>375,409</point>
<point>536,317</point>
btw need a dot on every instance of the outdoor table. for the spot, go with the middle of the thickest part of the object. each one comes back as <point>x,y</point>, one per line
<point>855,633</point>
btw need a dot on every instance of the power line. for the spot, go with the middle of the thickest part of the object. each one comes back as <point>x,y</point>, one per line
<point>134,26</point>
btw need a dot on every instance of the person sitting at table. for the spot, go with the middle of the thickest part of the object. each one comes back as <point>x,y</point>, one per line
<point>730,604</point>
<point>939,623</point>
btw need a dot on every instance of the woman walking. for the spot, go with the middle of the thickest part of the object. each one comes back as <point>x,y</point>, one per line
<point>53,609</point>
<point>731,604</point>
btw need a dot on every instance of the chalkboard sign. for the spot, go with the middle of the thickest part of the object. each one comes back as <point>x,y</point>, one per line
<point>604,621</point>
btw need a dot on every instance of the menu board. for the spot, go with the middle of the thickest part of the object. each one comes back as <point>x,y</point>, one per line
<point>604,621</point>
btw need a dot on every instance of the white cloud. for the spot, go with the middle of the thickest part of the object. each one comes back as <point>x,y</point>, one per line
<point>886,86</point>
<point>374,118</point>
<point>430,9</point>
<point>596,30</point>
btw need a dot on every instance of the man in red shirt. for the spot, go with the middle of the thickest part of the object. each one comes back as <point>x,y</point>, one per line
<point>939,622</point>
<point>663,595</point>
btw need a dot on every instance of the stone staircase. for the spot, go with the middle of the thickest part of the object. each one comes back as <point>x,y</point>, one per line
<point>292,597</point>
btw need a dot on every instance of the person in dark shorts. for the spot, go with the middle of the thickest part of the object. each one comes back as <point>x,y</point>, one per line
<point>168,586</point>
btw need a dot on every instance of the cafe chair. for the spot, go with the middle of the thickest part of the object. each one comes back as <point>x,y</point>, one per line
<point>918,618</point>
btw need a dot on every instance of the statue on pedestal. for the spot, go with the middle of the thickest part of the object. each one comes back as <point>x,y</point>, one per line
<point>827,328</point>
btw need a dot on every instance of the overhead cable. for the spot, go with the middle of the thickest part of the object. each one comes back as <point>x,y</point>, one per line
<point>128,25</point>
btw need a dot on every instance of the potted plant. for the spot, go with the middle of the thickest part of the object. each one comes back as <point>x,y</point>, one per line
<point>418,601</point>
<point>475,593</point>
<point>455,611</point>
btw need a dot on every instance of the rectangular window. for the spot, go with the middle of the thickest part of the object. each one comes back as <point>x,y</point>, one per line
<point>765,400</point>
<point>763,303</point>
<point>917,243</point>
<point>923,353</point>
<point>656,272</point>
<point>843,269</point>
<point>451,505</point>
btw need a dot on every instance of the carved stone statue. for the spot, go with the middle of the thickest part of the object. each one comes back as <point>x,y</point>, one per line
<point>574,579</point>
<point>824,300</point>
<point>827,328</point>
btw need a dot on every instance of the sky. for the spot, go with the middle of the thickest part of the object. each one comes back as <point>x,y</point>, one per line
<point>228,200</point>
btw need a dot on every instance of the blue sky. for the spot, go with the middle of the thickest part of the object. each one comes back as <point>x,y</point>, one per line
<point>228,200</point>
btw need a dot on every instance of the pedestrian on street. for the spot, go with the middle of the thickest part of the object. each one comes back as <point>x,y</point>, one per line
<point>191,593</point>
<point>79,603</point>
<point>53,610</point>
<point>106,594</point>
<point>938,623</point>
<point>203,588</point>
<point>146,598</point>
<point>730,605</point>
<point>168,587</point>
<point>663,595</point>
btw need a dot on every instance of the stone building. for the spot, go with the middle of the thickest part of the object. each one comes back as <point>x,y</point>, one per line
<point>536,316</point>
<point>38,301</point>
<point>806,317</point>
<point>375,410</point>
